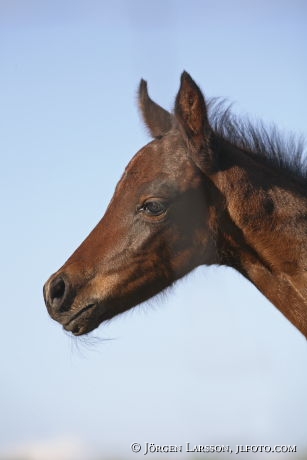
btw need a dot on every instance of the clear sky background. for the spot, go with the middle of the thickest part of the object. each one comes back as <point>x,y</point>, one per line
<point>213,362</point>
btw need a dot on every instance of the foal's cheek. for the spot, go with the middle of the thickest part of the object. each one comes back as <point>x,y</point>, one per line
<point>137,236</point>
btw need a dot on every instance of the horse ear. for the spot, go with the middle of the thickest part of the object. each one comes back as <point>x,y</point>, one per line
<point>191,115</point>
<point>157,120</point>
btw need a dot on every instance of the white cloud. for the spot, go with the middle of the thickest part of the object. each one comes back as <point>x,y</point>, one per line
<point>68,448</point>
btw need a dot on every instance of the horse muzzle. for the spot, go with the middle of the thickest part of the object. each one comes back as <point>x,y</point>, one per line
<point>66,307</point>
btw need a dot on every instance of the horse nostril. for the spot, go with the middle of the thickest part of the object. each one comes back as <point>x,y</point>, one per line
<point>57,289</point>
<point>57,295</point>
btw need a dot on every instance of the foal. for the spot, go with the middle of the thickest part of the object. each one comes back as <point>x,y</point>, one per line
<point>206,190</point>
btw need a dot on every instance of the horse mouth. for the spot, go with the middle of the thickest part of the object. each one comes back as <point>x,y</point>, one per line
<point>84,321</point>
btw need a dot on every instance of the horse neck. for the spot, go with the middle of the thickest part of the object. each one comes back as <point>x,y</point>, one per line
<point>262,229</point>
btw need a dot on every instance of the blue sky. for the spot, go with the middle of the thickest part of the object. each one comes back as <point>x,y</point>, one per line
<point>212,362</point>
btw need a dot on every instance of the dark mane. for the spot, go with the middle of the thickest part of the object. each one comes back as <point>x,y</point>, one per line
<point>256,140</point>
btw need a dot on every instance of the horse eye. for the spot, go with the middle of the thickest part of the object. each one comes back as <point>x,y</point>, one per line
<point>154,208</point>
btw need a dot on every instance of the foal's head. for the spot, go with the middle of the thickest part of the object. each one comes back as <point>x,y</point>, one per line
<point>157,226</point>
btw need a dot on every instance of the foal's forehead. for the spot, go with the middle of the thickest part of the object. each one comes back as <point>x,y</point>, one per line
<point>163,155</point>
<point>162,166</point>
